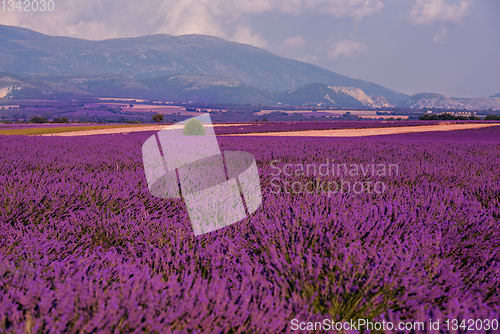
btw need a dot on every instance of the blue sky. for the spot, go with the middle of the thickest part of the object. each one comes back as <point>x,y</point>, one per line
<point>444,46</point>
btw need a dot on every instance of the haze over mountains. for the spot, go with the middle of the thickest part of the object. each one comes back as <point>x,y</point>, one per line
<point>195,68</point>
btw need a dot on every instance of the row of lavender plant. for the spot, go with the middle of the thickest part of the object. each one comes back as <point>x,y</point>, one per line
<point>84,247</point>
<point>42,125</point>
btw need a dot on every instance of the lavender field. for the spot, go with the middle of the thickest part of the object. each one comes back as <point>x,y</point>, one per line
<point>326,125</point>
<point>84,247</point>
<point>313,125</point>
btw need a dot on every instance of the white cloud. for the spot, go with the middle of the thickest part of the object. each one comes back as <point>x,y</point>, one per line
<point>438,39</point>
<point>99,19</point>
<point>188,17</point>
<point>346,48</point>
<point>245,35</point>
<point>427,12</point>
<point>293,42</point>
<point>356,9</point>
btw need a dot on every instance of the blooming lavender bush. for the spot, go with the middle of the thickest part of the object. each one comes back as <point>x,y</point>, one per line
<point>84,247</point>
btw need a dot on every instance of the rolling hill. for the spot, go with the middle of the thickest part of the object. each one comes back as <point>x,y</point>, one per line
<point>35,87</point>
<point>178,88</point>
<point>26,52</point>
<point>215,89</point>
<point>433,100</point>
<point>186,68</point>
<point>332,96</point>
<point>206,88</point>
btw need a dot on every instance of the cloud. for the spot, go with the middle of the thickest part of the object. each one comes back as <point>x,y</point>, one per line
<point>245,35</point>
<point>438,39</point>
<point>293,42</point>
<point>346,48</point>
<point>427,12</point>
<point>356,9</point>
<point>100,19</point>
<point>188,17</point>
<point>90,19</point>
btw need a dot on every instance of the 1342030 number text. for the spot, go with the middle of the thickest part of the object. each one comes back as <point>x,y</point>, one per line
<point>27,5</point>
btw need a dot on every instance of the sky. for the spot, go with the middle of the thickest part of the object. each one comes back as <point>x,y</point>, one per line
<point>450,47</point>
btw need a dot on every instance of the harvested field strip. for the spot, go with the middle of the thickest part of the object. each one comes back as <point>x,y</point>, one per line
<point>368,131</point>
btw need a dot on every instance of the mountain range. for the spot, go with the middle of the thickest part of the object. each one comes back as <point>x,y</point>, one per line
<point>184,68</point>
<point>433,100</point>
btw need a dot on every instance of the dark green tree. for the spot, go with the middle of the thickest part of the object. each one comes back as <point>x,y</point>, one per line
<point>158,118</point>
<point>60,120</point>
<point>38,119</point>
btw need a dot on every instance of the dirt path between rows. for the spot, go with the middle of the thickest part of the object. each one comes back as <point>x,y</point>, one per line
<point>307,133</point>
<point>369,131</point>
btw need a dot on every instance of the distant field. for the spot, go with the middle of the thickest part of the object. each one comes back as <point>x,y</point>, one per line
<point>332,112</point>
<point>303,128</point>
<point>59,129</point>
<point>315,125</point>
<point>169,110</point>
<point>373,131</point>
<point>83,112</point>
<point>82,129</point>
<point>42,125</point>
